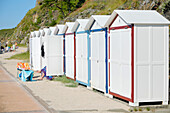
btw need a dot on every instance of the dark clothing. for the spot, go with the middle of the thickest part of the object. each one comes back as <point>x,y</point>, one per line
<point>42,51</point>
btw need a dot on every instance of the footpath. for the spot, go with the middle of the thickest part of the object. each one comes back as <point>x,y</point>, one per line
<point>14,98</point>
<point>52,96</point>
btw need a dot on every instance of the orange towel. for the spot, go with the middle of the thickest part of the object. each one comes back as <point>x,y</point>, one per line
<point>24,66</point>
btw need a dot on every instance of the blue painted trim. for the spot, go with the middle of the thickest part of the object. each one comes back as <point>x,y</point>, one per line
<point>82,32</point>
<point>61,34</point>
<point>82,82</point>
<point>96,30</point>
<point>106,60</point>
<point>88,58</point>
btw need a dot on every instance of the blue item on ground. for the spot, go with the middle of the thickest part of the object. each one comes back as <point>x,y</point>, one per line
<point>44,71</point>
<point>26,75</point>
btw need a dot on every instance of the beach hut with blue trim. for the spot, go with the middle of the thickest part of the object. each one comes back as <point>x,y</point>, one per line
<point>139,56</point>
<point>82,52</point>
<point>61,35</point>
<point>32,35</point>
<point>98,56</point>
<point>70,50</point>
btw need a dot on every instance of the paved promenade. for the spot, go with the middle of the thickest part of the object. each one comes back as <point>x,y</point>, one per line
<point>52,96</point>
<point>14,98</point>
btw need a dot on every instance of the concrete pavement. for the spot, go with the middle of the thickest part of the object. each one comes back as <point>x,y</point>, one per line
<point>13,98</point>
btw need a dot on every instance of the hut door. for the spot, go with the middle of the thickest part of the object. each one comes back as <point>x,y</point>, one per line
<point>98,60</point>
<point>36,53</point>
<point>30,47</point>
<point>44,48</point>
<point>120,62</point>
<point>81,58</point>
<point>70,56</point>
<point>55,56</point>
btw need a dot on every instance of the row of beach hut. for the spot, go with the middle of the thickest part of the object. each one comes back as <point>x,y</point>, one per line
<point>125,54</point>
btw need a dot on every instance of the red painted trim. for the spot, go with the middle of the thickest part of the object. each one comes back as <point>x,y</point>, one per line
<point>69,78</point>
<point>119,27</point>
<point>113,20</point>
<point>69,33</point>
<point>109,59</point>
<point>74,56</point>
<point>119,96</point>
<point>132,68</point>
<point>132,64</point>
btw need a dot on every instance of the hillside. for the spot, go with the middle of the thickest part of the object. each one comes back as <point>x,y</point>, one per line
<point>51,12</point>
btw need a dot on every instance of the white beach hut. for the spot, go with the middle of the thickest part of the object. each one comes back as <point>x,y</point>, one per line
<point>42,33</point>
<point>98,36</point>
<point>53,52</point>
<point>82,52</point>
<point>44,45</point>
<point>36,51</point>
<point>70,47</point>
<point>61,35</point>
<point>139,56</point>
<point>32,35</point>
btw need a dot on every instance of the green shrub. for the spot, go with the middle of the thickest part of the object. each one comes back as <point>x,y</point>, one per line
<point>38,20</point>
<point>50,14</point>
<point>135,109</point>
<point>26,28</point>
<point>53,23</point>
<point>140,109</point>
<point>148,109</point>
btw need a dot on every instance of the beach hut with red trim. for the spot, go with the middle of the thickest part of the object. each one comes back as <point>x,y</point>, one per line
<point>138,56</point>
<point>70,50</point>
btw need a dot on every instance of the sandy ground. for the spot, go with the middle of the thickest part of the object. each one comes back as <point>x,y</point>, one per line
<point>58,98</point>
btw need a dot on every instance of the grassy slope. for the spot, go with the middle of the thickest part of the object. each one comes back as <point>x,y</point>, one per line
<point>21,56</point>
<point>104,7</point>
<point>49,16</point>
<point>5,33</point>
